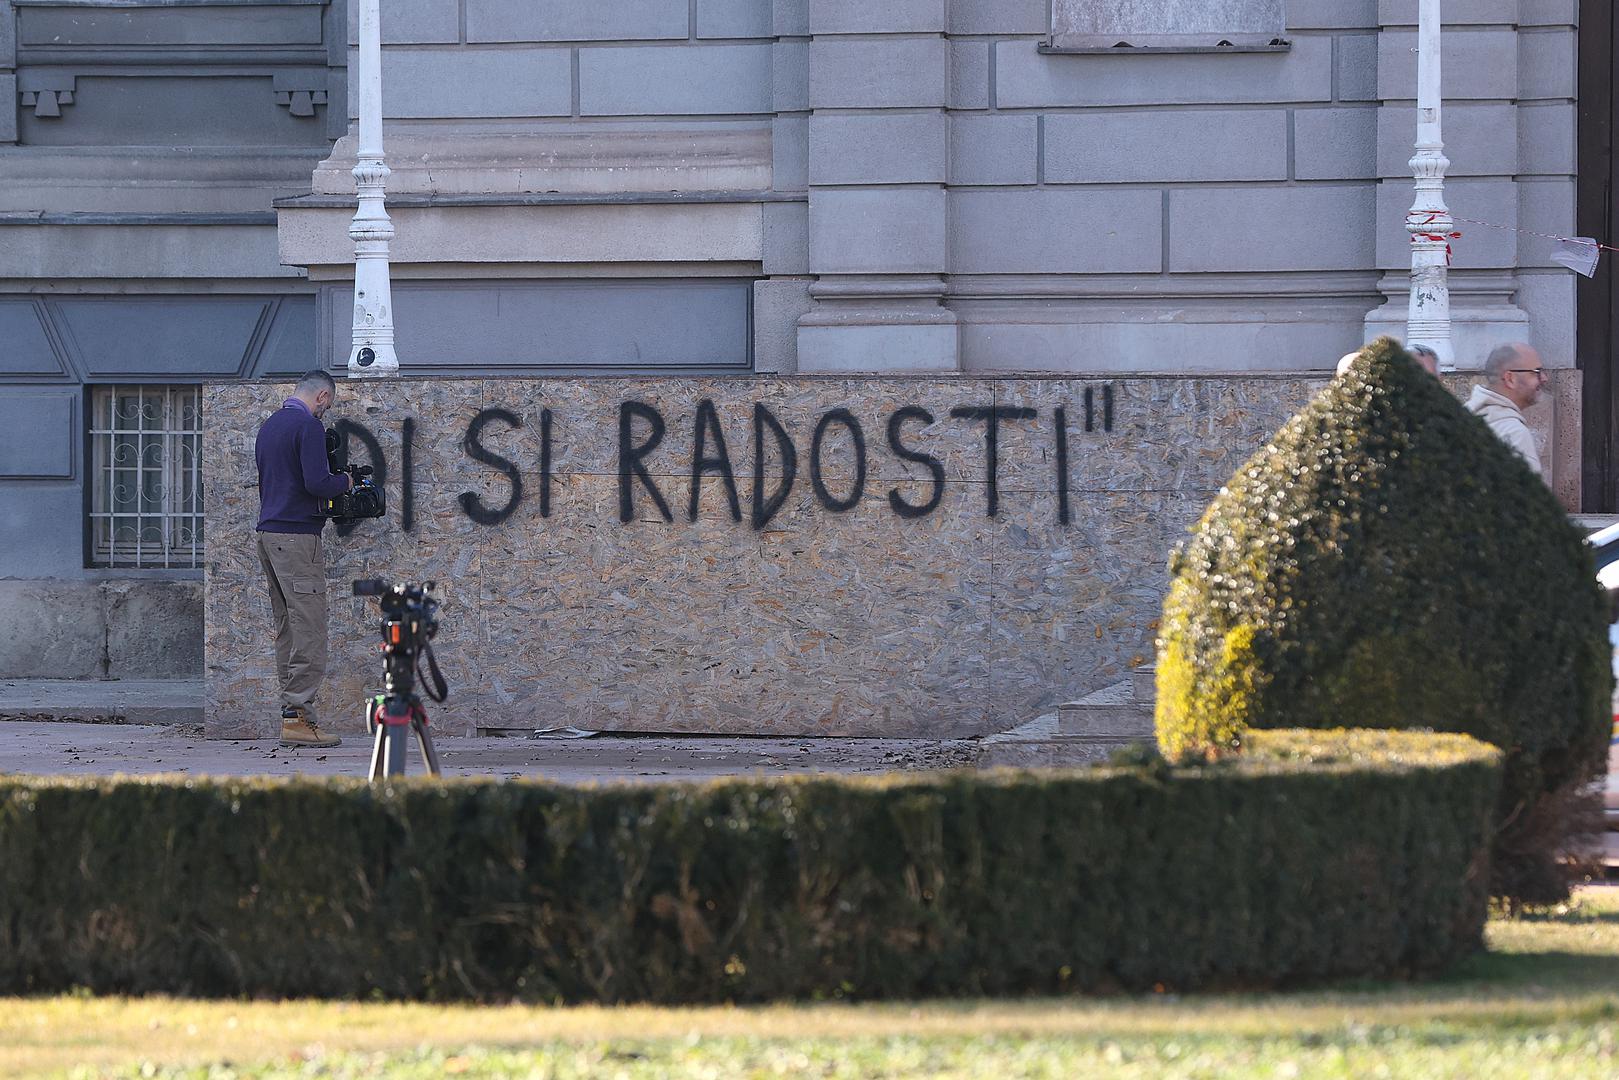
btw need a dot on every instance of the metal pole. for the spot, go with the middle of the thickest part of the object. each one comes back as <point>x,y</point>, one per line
<point>373,351</point>
<point>1430,223</point>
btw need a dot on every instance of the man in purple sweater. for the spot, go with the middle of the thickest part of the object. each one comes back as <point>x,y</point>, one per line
<point>294,478</point>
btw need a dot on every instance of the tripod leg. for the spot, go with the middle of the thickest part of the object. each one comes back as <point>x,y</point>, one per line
<point>394,761</point>
<point>425,741</point>
<point>378,738</point>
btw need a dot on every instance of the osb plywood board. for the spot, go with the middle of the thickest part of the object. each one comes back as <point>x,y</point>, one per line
<point>856,561</point>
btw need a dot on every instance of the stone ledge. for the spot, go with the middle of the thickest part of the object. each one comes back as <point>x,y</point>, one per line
<point>97,701</point>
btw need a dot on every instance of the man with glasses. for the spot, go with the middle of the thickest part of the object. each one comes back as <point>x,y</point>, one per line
<point>1515,375</point>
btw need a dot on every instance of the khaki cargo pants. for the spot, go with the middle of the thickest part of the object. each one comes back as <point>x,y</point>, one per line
<point>296,574</point>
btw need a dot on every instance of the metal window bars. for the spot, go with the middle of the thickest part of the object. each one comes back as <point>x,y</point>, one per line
<point>146,476</point>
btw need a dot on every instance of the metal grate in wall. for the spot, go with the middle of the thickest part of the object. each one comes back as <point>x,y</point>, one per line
<point>146,476</point>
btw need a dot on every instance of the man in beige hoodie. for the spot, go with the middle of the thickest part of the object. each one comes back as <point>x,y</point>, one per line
<point>1515,376</point>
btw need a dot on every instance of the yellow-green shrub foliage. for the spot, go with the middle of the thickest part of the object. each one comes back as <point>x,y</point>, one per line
<point>1386,561</point>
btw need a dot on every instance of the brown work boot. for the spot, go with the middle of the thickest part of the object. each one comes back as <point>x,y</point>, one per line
<point>298,729</point>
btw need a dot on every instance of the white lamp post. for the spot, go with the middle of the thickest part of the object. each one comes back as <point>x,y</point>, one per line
<point>373,351</point>
<point>1430,223</point>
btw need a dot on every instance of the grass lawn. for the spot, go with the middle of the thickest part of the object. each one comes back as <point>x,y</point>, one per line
<point>1543,1002</point>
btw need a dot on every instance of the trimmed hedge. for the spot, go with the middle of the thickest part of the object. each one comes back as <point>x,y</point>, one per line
<point>1317,856</point>
<point>1387,561</point>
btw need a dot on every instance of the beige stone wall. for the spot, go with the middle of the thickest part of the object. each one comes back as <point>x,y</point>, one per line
<point>854,622</point>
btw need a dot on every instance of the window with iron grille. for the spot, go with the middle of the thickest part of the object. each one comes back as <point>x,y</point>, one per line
<point>146,476</point>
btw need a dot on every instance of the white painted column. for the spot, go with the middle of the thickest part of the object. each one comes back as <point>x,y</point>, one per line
<point>1430,223</point>
<point>373,351</point>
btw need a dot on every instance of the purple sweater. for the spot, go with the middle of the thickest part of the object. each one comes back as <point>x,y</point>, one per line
<point>293,472</point>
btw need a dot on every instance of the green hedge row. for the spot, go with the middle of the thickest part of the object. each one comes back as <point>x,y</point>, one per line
<point>1317,855</point>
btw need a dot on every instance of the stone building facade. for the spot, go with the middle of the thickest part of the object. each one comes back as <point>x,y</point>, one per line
<point>680,188</point>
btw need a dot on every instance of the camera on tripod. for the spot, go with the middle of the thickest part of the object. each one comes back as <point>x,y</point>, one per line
<point>409,621</point>
<point>409,613</point>
<point>364,500</point>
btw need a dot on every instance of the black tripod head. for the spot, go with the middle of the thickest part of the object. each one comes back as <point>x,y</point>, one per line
<point>409,622</point>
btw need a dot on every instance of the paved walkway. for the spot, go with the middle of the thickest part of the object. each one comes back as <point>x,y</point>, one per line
<point>88,749</point>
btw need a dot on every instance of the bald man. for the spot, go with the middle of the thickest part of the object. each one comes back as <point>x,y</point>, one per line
<point>1515,376</point>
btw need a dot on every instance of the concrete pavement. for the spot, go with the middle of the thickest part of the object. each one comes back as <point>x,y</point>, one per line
<point>66,748</point>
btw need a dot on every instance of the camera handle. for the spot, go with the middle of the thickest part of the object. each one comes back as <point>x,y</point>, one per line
<point>438,689</point>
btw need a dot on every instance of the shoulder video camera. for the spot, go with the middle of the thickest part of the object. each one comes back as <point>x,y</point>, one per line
<point>364,500</point>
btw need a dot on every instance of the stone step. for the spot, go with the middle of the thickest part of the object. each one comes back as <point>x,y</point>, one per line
<point>1122,710</point>
<point>1127,721</point>
<point>1058,751</point>
<point>1039,743</point>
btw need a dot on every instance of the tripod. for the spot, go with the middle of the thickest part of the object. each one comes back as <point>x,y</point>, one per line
<point>388,715</point>
<point>408,624</point>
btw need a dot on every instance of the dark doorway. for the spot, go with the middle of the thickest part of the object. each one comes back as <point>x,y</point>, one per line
<point>1598,298</point>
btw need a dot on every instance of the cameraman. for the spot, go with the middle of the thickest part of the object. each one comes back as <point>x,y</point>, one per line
<point>294,477</point>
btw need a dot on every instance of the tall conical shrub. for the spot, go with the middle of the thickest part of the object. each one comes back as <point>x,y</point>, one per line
<point>1386,561</point>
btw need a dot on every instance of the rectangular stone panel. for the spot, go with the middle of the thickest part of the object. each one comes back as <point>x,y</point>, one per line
<point>889,17</point>
<point>1357,67</point>
<point>733,19</point>
<point>867,597</point>
<point>1545,207</point>
<point>564,20</point>
<point>1159,145</point>
<point>778,303</point>
<point>1056,231</point>
<point>49,629</point>
<point>969,74</point>
<point>1497,12</point>
<point>904,148</point>
<point>208,110</point>
<point>39,433</point>
<point>789,18</point>
<point>1104,338</point>
<point>789,76</point>
<point>466,83</point>
<point>1546,139</point>
<point>413,22</point>
<point>28,349</point>
<point>8,114</point>
<point>994,148</point>
<point>878,73</point>
<point>1026,78</point>
<point>1480,140</point>
<point>1548,12</point>
<point>1335,144</point>
<point>679,79</point>
<point>1479,246</point>
<point>999,17</point>
<point>897,231</point>
<point>786,238</point>
<point>1547,64</point>
<point>490,325</point>
<point>1478,64</point>
<point>158,335</point>
<point>789,153</point>
<point>8,40</point>
<point>1315,227</point>
<point>161,24</point>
